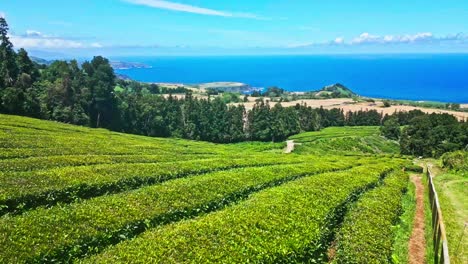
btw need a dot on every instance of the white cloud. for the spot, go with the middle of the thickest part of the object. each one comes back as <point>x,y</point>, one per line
<point>407,39</point>
<point>339,41</point>
<point>2,14</point>
<point>161,4</point>
<point>34,33</point>
<point>36,39</point>
<point>366,38</point>
<point>47,43</point>
<point>96,45</point>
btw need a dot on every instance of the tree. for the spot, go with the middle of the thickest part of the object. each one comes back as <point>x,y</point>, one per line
<point>101,81</point>
<point>273,92</point>
<point>8,68</point>
<point>259,122</point>
<point>391,129</point>
<point>433,135</point>
<point>12,101</point>
<point>26,65</point>
<point>455,107</point>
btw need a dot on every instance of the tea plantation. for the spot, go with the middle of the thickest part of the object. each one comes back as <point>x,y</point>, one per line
<point>75,194</point>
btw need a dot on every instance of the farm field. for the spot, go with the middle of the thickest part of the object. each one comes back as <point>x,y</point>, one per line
<point>75,194</point>
<point>345,141</point>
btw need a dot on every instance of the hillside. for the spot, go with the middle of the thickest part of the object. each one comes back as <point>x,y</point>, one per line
<point>345,141</point>
<point>91,191</point>
<point>335,91</point>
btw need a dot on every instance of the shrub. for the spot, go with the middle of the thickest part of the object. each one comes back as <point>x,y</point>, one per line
<point>457,160</point>
<point>367,234</point>
<point>287,224</point>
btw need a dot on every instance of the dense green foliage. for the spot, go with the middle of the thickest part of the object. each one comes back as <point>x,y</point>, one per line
<point>367,234</point>
<point>457,160</point>
<point>92,191</point>
<point>147,88</point>
<point>391,129</point>
<point>345,141</point>
<point>99,222</point>
<point>433,135</point>
<point>335,91</point>
<point>286,224</point>
<point>55,164</point>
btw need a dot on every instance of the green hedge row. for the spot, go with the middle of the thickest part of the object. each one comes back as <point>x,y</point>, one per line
<point>335,132</point>
<point>24,190</point>
<point>50,162</point>
<point>414,168</point>
<point>22,137</point>
<point>286,224</point>
<point>367,232</point>
<point>78,228</point>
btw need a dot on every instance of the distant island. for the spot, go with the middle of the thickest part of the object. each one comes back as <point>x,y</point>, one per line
<point>121,65</point>
<point>117,65</point>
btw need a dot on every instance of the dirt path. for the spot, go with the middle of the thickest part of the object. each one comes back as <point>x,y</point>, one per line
<point>289,146</point>
<point>417,243</point>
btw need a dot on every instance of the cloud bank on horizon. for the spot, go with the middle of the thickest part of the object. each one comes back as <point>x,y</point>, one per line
<point>36,39</point>
<point>368,39</point>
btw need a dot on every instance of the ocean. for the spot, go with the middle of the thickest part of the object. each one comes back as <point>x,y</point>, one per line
<point>428,77</point>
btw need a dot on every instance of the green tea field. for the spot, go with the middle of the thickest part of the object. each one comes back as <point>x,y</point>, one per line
<point>70,194</point>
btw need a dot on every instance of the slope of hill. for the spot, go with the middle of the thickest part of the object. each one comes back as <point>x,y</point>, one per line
<point>41,61</point>
<point>335,91</point>
<point>345,141</point>
<point>103,197</point>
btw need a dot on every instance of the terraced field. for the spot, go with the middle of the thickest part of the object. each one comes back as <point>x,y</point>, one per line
<point>74,194</point>
<point>345,141</point>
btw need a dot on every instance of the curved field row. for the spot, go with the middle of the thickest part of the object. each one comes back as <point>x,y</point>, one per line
<point>42,163</point>
<point>334,132</point>
<point>89,225</point>
<point>26,190</point>
<point>367,234</point>
<point>350,146</point>
<point>22,137</point>
<point>290,223</point>
<point>345,141</point>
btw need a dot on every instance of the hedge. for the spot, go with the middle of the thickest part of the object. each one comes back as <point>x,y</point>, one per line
<point>25,190</point>
<point>367,234</point>
<point>82,227</point>
<point>287,224</point>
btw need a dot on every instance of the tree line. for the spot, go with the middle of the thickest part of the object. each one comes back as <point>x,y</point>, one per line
<point>90,95</point>
<point>426,135</point>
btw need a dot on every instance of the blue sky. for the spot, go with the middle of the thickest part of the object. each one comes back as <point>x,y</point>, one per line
<point>191,27</point>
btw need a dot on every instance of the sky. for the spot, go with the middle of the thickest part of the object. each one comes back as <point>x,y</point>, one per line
<point>58,28</point>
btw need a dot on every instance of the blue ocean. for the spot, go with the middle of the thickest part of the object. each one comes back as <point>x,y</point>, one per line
<point>415,77</point>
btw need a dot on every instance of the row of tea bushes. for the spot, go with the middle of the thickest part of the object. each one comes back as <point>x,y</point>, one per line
<point>287,224</point>
<point>367,232</point>
<point>81,227</point>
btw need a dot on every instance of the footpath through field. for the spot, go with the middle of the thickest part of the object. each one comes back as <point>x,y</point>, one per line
<point>417,243</point>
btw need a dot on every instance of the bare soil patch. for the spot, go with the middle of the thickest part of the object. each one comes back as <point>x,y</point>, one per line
<point>347,104</point>
<point>417,242</point>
